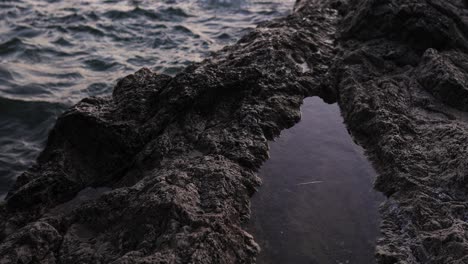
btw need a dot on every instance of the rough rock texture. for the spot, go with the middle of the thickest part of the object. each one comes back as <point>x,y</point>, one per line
<point>180,155</point>
<point>402,82</point>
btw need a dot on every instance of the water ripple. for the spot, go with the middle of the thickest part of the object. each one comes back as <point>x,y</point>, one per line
<point>55,52</point>
<point>30,121</point>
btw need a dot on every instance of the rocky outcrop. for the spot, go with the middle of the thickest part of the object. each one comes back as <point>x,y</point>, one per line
<point>179,154</point>
<point>401,79</point>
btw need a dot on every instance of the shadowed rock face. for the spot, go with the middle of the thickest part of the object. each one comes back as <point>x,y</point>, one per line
<point>180,153</point>
<point>401,80</point>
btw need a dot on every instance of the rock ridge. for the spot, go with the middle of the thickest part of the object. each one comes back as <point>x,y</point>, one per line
<point>401,79</point>
<point>180,154</point>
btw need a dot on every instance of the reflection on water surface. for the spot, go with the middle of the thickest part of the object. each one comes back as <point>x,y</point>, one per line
<point>317,204</point>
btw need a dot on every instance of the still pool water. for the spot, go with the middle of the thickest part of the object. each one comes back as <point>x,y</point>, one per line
<point>317,204</point>
<point>55,52</point>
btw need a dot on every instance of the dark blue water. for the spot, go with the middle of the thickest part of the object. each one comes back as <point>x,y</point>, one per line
<point>56,52</point>
<point>317,204</point>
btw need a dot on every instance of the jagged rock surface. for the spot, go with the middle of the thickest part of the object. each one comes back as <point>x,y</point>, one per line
<point>180,155</point>
<point>401,79</point>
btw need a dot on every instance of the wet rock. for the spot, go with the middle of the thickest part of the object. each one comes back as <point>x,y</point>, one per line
<point>401,81</point>
<point>179,155</point>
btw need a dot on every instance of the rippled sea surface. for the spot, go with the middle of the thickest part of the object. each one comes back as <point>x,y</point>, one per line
<point>55,52</point>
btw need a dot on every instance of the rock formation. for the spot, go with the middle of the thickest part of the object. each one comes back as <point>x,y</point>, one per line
<point>180,154</point>
<point>402,82</point>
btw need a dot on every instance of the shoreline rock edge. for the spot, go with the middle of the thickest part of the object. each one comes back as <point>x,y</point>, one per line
<point>180,154</point>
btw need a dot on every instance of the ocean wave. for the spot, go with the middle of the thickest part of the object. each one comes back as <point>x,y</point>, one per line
<point>24,126</point>
<point>55,52</point>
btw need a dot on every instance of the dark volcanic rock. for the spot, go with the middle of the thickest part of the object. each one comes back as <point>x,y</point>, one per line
<point>180,155</point>
<point>401,79</point>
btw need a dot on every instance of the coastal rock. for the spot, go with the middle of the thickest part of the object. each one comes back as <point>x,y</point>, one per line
<point>179,155</point>
<point>401,80</point>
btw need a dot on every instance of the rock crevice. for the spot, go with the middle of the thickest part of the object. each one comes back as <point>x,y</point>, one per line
<point>181,153</point>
